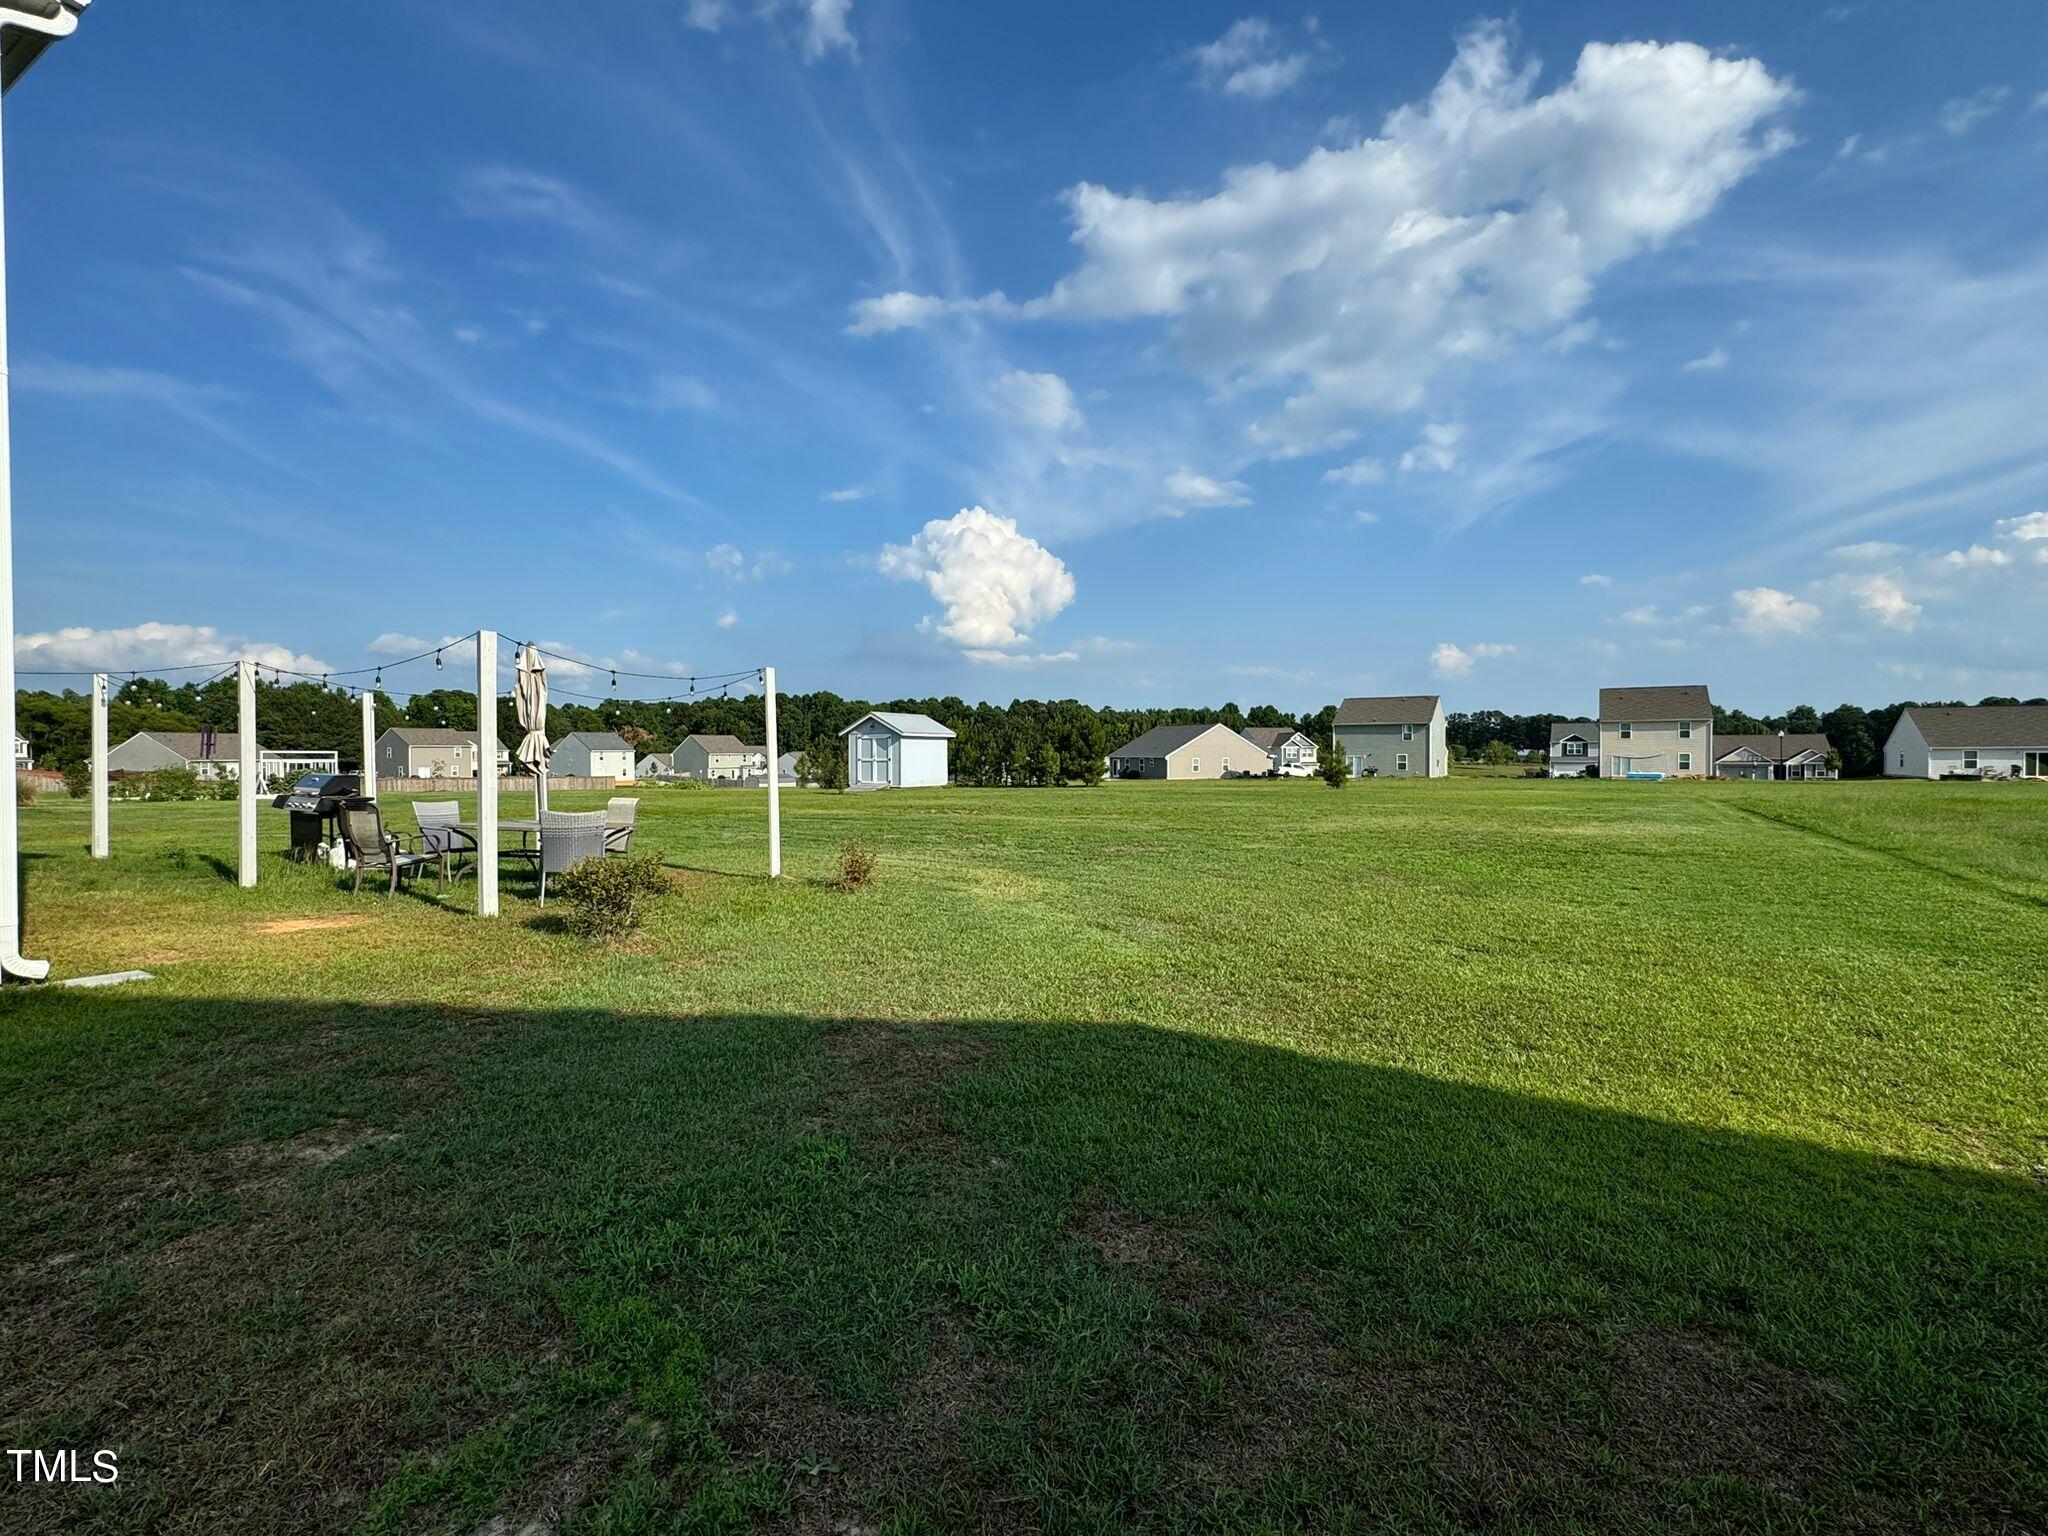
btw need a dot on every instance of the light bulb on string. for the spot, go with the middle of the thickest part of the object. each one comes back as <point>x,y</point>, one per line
<point>437,661</point>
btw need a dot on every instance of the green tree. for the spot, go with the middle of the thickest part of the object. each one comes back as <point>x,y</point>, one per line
<point>1332,766</point>
<point>1497,753</point>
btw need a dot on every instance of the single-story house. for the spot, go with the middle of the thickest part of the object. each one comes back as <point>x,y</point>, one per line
<point>710,756</point>
<point>1772,755</point>
<point>212,755</point>
<point>655,765</point>
<point>432,752</point>
<point>1656,733</point>
<point>1402,735</point>
<point>592,755</point>
<point>1211,751</point>
<point>1992,741</point>
<point>886,749</point>
<point>1574,748</point>
<point>1289,752</point>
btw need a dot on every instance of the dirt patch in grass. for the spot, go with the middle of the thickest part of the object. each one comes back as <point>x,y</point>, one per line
<point>888,1084</point>
<point>307,924</point>
<point>1651,1410</point>
<point>843,1463</point>
<point>1121,1238</point>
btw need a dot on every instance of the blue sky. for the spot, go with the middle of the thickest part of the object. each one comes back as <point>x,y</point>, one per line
<point>1148,355</point>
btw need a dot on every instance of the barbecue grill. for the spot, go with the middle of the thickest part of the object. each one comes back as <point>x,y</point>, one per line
<point>315,803</point>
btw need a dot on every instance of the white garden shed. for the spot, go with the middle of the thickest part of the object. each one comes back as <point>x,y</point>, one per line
<point>886,750</point>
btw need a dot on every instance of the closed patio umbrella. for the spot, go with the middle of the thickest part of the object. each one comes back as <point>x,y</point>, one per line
<point>530,693</point>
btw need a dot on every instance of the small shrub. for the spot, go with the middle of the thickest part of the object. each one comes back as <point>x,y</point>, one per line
<point>78,779</point>
<point>27,791</point>
<point>856,868</point>
<point>608,897</point>
<point>1332,766</point>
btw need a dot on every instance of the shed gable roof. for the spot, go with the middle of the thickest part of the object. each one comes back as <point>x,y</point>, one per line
<point>902,724</point>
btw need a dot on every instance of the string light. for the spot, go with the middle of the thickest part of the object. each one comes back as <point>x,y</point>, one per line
<point>437,661</point>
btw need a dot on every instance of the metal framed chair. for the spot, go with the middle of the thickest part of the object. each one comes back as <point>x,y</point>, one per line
<point>371,847</point>
<point>439,834</point>
<point>567,838</point>
<point>619,814</point>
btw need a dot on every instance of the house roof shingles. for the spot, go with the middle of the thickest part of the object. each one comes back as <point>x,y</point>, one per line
<point>432,736</point>
<point>1395,709</point>
<point>227,745</point>
<point>1676,701</point>
<point>1165,740</point>
<point>1268,738</point>
<point>1585,730</point>
<point>904,724</point>
<point>1765,745</point>
<point>721,745</point>
<point>1981,725</point>
<point>599,741</point>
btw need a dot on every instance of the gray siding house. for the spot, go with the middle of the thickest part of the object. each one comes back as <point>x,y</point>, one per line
<point>1993,741</point>
<point>220,758</point>
<point>655,765</point>
<point>709,756</point>
<point>1188,752</point>
<point>431,752</point>
<point>592,755</point>
<point>1772,755</point>
<point>1656,733</point>
<point>1574,749</point>
<point>1401,735</point>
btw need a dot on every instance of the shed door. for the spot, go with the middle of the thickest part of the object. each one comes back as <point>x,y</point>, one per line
<point>873,754</point>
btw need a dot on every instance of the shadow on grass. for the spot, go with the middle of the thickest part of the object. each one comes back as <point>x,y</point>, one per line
<point>333,1267</point>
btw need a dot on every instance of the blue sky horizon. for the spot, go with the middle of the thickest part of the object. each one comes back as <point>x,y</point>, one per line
<point>1196,353</point>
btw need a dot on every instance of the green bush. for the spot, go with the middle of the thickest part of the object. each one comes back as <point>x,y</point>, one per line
<point>856,868</point>
<point>608,897</point>
<point>78,780</point>
<point>1332,766</point>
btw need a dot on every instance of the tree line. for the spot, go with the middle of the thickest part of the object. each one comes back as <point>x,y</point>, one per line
<point>1027,741</point>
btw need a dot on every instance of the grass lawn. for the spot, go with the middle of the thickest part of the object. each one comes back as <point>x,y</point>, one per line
<point>1488,1154</point>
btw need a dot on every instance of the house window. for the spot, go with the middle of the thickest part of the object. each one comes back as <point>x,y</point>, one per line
<point>1195,765</point>
<point>1400,762</point>
<point>1573,748</point>
<point>1969,757</point>
<point>1407,733</point>
<point>1684,761</point>
<point>1226,765</point>
<point>1685,730</point>
<point>1627,731</point>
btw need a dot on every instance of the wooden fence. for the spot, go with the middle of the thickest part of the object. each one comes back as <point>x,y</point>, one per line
<point>522,785</point>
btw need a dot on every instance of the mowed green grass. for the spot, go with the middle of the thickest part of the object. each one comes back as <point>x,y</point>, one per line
<point>1490,1154</point>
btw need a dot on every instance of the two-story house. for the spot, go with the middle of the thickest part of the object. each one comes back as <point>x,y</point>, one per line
<point>1402,735</point>
<point>1574,749</point>
<point>1289,752</point>
<point>709,756</point>
<point>1657,733</point>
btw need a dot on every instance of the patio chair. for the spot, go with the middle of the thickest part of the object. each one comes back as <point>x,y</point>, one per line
<point>440,834</point>
<point>619,812</point>
<point>371,847</point>
<point>567,838</point>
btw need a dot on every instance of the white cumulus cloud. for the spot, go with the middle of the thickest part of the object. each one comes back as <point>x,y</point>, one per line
<point>1357,472</point>
<point>152,647</point>
<point>1774,612</point>
<point>1249,60</point>
<point>1595,579</point>
<point>1708,362</point>
<point>995,583</point>
<point>1481,215</point>
<point>1187,489</point>
<point>1882,598</point>
<point>2031,525</point>
<point>1976,555</point>
<point>1451,660</point>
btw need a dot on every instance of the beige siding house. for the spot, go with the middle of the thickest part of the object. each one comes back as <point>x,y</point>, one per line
<point>1188,752</point>
<point>1657,733</point>
<point>1773,755</point>
<point>1401,735</point>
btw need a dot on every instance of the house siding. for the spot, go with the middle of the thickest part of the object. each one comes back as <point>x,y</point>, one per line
<point>1428,751</point>
<point>1655,746</point>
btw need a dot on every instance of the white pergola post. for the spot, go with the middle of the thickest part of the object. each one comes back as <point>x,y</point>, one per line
<point>487,773</point>
<point>774,778</point>
<point>99,765</point>
<point>245,723</point>
<point>368,776</point>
